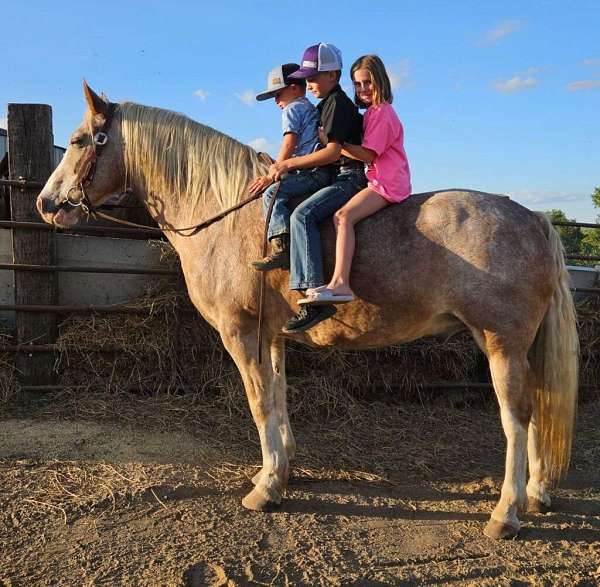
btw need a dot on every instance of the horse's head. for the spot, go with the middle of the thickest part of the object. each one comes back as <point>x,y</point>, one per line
<point>91,170</point>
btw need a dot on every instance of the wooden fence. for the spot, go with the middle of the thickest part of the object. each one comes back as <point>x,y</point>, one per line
<point>30,162</point>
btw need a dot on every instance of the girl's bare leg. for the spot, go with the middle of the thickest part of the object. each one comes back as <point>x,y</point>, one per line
<point>363,204</point>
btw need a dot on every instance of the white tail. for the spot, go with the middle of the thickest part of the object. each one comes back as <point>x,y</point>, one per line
<point>555,364</point>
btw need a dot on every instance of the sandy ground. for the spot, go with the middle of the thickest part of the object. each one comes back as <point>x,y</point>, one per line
<point>89,503</point>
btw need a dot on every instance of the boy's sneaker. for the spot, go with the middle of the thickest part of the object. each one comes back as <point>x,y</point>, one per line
<point>307,317</point>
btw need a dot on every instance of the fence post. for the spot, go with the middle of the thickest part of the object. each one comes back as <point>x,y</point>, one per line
<point>30,155</point>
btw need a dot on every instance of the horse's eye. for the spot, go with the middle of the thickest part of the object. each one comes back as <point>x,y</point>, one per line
<point>77,141</point>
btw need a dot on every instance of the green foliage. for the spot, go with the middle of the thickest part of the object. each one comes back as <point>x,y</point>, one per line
<point>596,199</point>
<point>571,236</point>
<point>576,240</point>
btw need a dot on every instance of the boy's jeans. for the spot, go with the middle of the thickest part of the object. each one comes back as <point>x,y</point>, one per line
<point>306,262</point>
<point>297,183</point>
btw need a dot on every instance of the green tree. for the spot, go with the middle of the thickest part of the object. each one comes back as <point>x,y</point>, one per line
<point>571,236</point>
<point>590,243</point>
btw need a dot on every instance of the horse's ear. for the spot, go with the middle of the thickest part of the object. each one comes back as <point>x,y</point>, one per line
<point>95,103</point>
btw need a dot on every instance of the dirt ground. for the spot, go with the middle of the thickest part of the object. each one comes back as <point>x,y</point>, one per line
<point>399,502</point>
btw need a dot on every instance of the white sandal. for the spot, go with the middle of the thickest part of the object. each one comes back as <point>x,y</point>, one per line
<point>325,297</point>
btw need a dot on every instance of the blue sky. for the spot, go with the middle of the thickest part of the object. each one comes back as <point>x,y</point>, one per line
<point>497,96</point>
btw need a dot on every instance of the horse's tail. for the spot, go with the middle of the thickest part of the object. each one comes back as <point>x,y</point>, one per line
<point>554,361</point>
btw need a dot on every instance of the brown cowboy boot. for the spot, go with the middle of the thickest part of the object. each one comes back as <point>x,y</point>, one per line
<point>279,257</point>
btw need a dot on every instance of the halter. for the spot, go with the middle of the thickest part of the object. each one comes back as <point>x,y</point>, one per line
<point>84,178</point>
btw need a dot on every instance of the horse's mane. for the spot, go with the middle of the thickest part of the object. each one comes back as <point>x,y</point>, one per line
<point>168,153</point>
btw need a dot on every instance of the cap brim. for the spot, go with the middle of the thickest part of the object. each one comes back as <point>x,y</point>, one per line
<point>304,72</point>
<point>266,95</point>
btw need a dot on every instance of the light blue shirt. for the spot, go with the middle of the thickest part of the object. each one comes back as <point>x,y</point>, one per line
<point>301,118</point>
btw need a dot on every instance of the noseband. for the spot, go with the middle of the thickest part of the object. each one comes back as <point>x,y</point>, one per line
<point>85,177</point>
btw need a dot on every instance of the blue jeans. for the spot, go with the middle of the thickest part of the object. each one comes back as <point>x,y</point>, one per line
<point>297,183</point>
<point>306,261</point>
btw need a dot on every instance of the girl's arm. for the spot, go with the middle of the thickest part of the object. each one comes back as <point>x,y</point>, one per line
<point>325,156</point>
<point>359,153</point>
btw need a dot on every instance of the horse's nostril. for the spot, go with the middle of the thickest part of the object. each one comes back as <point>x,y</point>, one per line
<point>49,206</point>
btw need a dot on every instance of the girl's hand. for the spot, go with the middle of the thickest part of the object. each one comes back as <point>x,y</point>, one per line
<point>259,184</point>
<point>322,136</point>
<point>278,169</point>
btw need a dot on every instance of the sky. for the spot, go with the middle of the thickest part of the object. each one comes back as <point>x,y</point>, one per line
<point>502,97</point>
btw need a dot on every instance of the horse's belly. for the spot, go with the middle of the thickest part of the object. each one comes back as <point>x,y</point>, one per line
<point>359,328</point>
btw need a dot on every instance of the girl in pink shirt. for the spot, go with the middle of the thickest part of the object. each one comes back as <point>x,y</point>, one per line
<point>388,173</point>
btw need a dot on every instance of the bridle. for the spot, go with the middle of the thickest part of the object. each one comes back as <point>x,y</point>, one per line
<point>88,169</point>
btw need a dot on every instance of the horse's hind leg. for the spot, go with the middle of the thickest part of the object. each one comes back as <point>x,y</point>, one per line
<point>538,498</point>
<point>279,385</point>
<point>262,389</point>
<point>510,375</point>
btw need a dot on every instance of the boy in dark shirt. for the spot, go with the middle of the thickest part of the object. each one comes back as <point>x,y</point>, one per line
<point>340,123</point>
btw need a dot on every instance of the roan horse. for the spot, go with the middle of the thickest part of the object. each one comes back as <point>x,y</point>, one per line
<point>439,262</point>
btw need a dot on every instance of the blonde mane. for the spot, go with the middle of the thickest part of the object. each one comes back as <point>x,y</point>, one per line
<point>167,153</point>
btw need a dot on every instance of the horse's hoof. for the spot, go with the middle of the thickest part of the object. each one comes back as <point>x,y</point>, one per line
<point>259,501</point>
<point>256,478</point>
<point>500,530</point>
<point>535,506</point>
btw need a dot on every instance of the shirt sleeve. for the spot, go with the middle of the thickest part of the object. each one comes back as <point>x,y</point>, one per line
<point>381,129</point>
<point>291,120</point>
<point>335,123</point>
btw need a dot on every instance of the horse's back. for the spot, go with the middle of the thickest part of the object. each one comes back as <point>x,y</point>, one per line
<point>476,256</point>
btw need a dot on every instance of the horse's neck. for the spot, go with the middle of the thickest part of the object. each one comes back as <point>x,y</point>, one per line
<point>169,211</point>
<point>172,211</point>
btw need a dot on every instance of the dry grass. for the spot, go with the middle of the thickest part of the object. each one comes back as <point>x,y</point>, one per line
<point>588,314</point>
<point>176,367</point>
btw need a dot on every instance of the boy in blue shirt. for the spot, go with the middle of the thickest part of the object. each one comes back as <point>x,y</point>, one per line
<point>300,120</point>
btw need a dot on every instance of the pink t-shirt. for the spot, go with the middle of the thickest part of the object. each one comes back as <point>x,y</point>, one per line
<point>388,174</point>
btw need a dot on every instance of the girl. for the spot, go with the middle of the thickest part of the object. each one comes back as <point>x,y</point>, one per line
<point>388,173</point>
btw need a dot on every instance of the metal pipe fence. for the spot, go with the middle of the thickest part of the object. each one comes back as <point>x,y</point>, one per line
<point>24,184</point>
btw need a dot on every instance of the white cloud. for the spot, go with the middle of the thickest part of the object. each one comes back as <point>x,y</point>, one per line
<point>247,97</point>
<point>592,62</point>
<point>4,122</point>
<point>202,94</point>
<point>399,74</point>
<point>504,29</point>
<point>586,84</point>
<point>515,84</point>
<point>546,199</point>
<point>262,144</point>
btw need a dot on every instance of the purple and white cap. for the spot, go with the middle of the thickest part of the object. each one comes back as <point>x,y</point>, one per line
<point>318,58</point>
<point>279,78</point>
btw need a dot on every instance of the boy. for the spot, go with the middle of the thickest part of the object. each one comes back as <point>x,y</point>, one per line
<point>300,121</point>
<point>340,123</point>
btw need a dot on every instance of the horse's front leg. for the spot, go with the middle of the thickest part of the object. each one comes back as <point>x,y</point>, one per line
<point>263,389</point>
<point>280,385</point>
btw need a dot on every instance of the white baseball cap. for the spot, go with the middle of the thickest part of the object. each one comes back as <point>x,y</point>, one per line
<point>279,78</point>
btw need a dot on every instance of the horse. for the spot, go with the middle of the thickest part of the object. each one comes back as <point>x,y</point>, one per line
<point>440,262</point>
